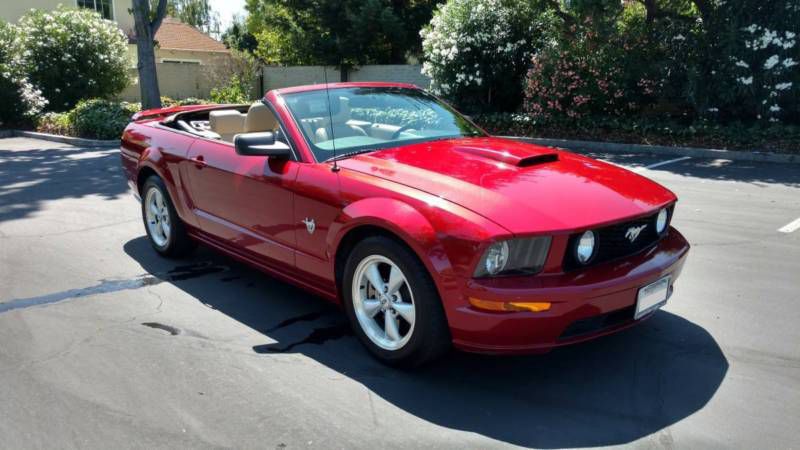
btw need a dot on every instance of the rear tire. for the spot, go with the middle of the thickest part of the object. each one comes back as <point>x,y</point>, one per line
<point>165,230</point>
<point>401,321</point>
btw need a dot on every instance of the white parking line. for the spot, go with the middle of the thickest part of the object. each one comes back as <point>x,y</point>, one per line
<point>670,161</point>
<point>791,226</point>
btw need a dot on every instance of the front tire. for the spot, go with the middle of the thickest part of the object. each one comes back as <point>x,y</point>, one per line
<point>393,305</point>
<point>165,230</point>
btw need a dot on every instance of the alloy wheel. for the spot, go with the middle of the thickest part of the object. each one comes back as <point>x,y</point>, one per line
<point>383,302</point>
<point>157,217</point>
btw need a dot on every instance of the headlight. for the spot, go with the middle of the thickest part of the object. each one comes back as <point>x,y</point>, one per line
<point>584,250</point>
<point>661,221</point>
<point>514,257</point>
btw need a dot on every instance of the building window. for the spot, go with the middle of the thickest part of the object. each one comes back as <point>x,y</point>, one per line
<point>179,61</point>
<point>104,7</point>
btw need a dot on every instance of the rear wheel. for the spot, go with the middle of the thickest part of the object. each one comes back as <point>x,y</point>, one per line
<point>393,305</point>
<point>165,229</point>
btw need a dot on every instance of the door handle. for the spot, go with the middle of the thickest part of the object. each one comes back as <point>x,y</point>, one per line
<point>199,162</point>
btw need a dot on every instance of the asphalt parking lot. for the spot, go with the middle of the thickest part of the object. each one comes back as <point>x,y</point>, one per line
<point>105,345</point>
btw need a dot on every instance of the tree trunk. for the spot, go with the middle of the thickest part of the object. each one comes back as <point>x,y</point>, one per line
<point>145,33</point>
<point>148,78</point>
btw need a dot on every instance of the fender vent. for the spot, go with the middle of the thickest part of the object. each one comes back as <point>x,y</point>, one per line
<point>538,159</point>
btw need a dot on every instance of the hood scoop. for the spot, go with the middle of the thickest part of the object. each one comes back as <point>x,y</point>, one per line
<point>537,159</point>
<point>511,158</point>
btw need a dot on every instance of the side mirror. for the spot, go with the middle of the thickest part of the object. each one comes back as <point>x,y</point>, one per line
<point>261,144</point>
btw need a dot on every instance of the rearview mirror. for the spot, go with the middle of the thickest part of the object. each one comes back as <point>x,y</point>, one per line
<point>261,144</point>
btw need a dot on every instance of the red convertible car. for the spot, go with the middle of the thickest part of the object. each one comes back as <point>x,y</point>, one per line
<point>429,232</point>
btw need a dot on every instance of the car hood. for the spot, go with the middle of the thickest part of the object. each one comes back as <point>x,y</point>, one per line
<point>522,187</point>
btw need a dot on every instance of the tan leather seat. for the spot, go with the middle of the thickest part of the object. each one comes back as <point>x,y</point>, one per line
<point>227,123</point>
<point>260,118</point>
<point>340,127</point>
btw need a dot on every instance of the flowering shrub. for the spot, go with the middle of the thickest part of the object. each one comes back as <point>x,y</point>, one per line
<point>71,54</point>
<point>760,60</point>
<point>19,99</point>
<point>630,67</point>
<point>101,119</point>
<point>477,51</point>
<point>55,123</point>
<point>574,77</point>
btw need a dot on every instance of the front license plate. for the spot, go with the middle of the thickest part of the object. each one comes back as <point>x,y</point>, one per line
<point>652,297</point>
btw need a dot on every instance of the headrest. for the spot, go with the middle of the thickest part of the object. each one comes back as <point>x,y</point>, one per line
<point>341,109</point>
<point>226,121</point>
<point>260,118</point>
<point>317,106</point>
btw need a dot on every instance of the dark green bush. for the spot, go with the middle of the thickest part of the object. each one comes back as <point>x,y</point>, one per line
<point>193,101</point>
<point>235,92</point>
<point>101,119</point>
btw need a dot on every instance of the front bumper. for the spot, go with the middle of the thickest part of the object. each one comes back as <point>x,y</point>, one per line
<point>586,303</point>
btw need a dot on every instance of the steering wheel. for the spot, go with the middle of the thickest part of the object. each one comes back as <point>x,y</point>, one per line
<point>405,127</point>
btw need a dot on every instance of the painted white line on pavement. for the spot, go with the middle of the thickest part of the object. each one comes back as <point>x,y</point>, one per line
<point>791,226</point>
<point>664,163</point>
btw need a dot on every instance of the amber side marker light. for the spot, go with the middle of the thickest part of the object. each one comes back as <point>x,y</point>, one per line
<point>509,306</point>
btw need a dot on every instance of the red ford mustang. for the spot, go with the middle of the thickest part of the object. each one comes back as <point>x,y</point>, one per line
<point>428,231</point>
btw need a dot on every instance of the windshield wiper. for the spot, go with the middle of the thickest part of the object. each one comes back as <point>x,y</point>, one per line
<point>350,154</point>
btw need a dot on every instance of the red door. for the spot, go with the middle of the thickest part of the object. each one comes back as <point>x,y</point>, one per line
<point>317,204</point>
<point>246,201</point>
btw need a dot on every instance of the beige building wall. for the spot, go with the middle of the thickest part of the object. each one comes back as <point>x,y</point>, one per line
<point>183,80</point>
<point>12,10</point>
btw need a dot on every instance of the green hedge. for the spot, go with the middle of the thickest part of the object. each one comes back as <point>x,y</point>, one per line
<point>101,119</point>
<point>91,119</point>
<point>650,131</point>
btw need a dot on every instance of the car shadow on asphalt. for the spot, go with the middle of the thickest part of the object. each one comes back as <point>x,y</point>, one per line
<point>613,390</point>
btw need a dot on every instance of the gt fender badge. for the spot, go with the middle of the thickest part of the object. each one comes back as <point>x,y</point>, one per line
<point>310,225</point>
<point>633,232</point>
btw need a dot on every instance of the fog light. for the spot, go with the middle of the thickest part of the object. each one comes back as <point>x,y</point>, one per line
<point>489,305</point>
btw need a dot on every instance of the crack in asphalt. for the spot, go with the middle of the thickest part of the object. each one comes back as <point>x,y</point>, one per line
<point>61,233</point>
<point>179,273</point>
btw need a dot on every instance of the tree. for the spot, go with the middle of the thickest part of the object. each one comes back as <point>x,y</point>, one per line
<point>338,32</point>
<point>238,38</point>
<point>146,25</point>
<point>197,13</point>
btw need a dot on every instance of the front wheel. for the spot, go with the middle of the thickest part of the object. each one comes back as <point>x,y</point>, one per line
<point>393,305</point>
<point>165,230</point>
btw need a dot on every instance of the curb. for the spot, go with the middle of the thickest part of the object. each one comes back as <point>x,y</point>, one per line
<point>612,147</point>
<point>78,142</point>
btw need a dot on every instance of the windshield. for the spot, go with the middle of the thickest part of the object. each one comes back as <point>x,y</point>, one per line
<point>371,118</point>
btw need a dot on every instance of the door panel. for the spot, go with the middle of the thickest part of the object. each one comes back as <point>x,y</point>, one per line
<point>316,198</point>
<point>244,200</point>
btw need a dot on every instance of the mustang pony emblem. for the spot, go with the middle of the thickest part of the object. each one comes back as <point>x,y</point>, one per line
<point>310,225</point>
<point>633,232</point>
